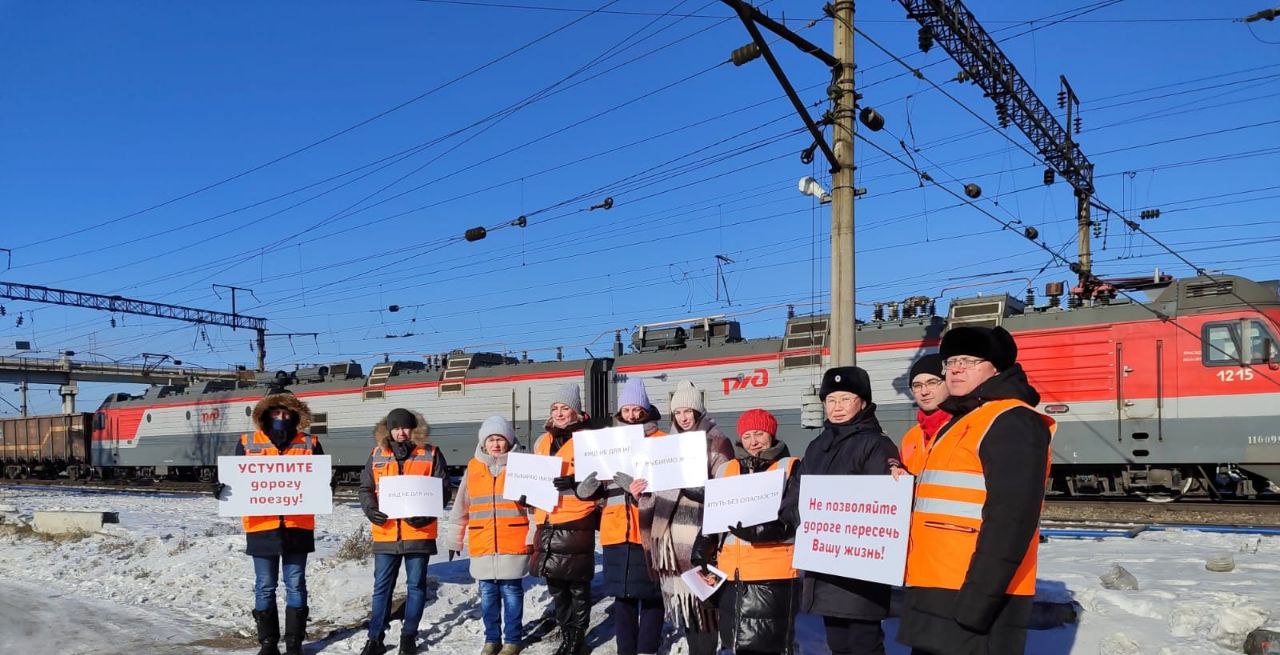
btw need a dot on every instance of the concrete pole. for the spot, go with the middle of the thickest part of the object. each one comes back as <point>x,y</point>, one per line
<point>68,392</point>
<point>1084,225</point>
<point>262,350</point>
<point>843,317</point>
<point>23,388</point>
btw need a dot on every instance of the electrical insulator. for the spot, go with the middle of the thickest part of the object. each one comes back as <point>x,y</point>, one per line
<point>113,322</point>
<point>1048,176</point>
<point>1031,233</point>
<point>745,54</point>
<point>475,234</point>
<point>972,190</point>
<point>19,323</point>
<point>1062,99</point>
<point>925,38</point>
<point>872,119</point>
<point>1002,114</point>
<point>1148,214</point>
<point>393,308</point>
<point>2,310</point>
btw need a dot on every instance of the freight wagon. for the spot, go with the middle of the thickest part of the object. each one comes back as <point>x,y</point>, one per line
<point>45,446</point>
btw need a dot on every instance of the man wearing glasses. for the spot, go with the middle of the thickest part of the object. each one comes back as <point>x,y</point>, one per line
<point>929,390</point>
<point>971,564</point>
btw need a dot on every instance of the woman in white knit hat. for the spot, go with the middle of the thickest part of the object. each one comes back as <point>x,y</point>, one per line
<point>671,521</point>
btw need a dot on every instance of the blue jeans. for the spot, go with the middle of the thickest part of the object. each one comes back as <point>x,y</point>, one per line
<point>509,611</point>
<point>386,568</point>
<point>266,575</point>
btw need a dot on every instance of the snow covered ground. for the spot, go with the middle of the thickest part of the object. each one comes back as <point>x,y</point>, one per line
<point>172,577</point>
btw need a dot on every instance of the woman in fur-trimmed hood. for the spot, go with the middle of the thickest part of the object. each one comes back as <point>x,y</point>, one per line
<point>400,449</point>
<point>277,542</point>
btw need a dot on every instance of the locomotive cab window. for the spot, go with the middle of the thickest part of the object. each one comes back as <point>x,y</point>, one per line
<point>1223,343</point>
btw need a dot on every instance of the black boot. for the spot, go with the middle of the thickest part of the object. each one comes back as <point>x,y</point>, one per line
<point>268,624</point>
<point>409,645</point>
<point>573,642</point>
<point>374,647</point>
<point>295,629</point>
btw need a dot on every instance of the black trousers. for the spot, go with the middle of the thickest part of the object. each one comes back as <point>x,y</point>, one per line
<point>639,625</point>
<point>702,643</point>
<point>853,637</point>
<point>572,601</point>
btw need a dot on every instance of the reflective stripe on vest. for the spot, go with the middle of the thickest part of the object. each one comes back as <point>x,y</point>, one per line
<point>570,507</point>
<point>951,491</point>
<point>259,445</point>
<point>620,520</point>
<point>495,526</point>
<point>383,462</point>
<point>749,562</point>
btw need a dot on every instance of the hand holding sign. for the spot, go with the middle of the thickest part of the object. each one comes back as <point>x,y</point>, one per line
<point>272,486</point>
<point>605,452</point>
<point>854,526</point>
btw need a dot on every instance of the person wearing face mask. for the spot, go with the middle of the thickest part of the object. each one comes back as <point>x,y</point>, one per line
<point>758,602</point>
<point>401,448</point>
<point>496,534</point>
<point>277,542</point>
<point>671,521</point>
<point>637,601</point>
<point>565,538</point>
<point>851,443</point>
<point>929,390</point>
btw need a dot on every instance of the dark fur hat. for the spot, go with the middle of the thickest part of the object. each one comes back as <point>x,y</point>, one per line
<point>930,364</point>
<point>283,400</point>
<point>846,378</point>
<point>995,345</point>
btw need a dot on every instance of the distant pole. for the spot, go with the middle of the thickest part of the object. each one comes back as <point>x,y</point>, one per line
<point>262,349</point>
<point>23,388</point>
<point>843,316</point>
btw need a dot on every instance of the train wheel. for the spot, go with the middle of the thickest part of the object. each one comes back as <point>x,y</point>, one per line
<point>1169,496</point>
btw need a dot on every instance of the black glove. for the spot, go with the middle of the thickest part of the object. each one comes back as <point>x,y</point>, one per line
<point>523,502</point>
<point>419,521</point>
<point>564,483</point>
<point>217,489</point>
<point>704,552</point>
<point>453,554</point>
<point>696,494</point>
<point>375,517</point>
<point>746,534</point>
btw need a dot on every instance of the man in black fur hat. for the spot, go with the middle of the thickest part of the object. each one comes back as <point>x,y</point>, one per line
<point>971,564</point>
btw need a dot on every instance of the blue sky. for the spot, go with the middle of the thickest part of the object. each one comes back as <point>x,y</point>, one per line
<point>125,128</point>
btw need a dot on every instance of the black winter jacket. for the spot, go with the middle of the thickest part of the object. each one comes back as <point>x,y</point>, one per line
<point>980,618</point>
<point>282,540</point>
<point>565,551</point>
<point>369,497</point>
<point>858,447</point>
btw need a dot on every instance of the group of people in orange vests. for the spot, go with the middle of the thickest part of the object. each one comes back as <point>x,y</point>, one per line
<point>979,454</point>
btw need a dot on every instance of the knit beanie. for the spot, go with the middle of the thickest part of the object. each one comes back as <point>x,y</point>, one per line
<point>846,378</point>
<point>401,418</point>
<point>757,419</point>
<point>497,425</point>
<point>687,396</point>
<point>995,345</point>
<point>569,395</point>
<point>633,393</point>
<point>930,364</point>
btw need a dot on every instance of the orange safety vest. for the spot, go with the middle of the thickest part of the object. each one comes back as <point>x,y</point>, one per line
<point>620,521</point>
<point>495,526</point>
<point>950,492</point>
<point>570,507</point>
<point>259,445</point>
<point>751,562</point>
<point>912,450</point>
<point>419,462</point>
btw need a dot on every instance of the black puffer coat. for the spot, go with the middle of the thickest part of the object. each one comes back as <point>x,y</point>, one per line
<point>759,616</point>
<point>858,447</point>
<point>626,573</point>
<point>980,618</point>
<point>566,551</point>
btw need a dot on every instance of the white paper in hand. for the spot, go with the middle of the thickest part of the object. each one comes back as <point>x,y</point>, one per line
<point>404,496</point>
<point>604,452</point>
<point>750,499</point>
<point>530,476</point>
<point>676,461</point>
<point>693,579</point>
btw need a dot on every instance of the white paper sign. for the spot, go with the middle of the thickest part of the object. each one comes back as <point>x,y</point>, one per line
<point>530,476</point>
<point>404,496</point>
<point>693,580</point>
<point>750,499</point>
<point>675,461</point>
<point>604,452</point>
<point>854,526</point>
<point>274,486</point>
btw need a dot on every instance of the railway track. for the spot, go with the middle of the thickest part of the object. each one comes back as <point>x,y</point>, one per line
<point>109,486</point>
<point>1264,513</point>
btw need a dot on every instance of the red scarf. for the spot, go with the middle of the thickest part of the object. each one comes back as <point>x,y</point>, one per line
<point>931,422</point>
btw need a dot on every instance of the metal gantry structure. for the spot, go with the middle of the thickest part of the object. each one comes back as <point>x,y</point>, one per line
<point>120,304</point>
<point>957,30</point>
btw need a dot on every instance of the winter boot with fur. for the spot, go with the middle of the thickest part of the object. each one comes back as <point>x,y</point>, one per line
<point>295,629</point>
<point>268,625</point>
